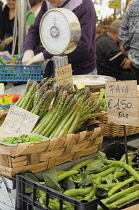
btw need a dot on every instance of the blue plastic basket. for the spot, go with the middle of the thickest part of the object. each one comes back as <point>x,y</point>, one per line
<point>19,72</point>
<point>6,106</point>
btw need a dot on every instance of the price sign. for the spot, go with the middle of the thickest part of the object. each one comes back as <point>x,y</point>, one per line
<point>1,88</point>
<point>122,102</point>
<point>19,120</point>
<point>64,75</point>
<point>115,4</point>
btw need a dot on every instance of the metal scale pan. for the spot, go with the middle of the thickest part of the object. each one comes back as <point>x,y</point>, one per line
<point>94,82</point>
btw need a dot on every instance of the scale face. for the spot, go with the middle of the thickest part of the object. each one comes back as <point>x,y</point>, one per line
<point>60,31</point>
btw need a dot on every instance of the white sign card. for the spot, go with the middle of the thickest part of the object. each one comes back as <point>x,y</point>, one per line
<point>122,102</point>
<point>64,75</point>
<point>19,120</point>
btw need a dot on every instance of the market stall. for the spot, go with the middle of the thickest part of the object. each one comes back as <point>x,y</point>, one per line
<point>55,160</point>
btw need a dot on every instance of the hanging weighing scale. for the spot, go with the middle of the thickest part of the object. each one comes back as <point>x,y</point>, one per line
<point>60,34</point>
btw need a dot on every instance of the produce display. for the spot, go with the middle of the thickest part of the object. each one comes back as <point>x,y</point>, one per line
<point>114,182</point>
<point>6,60</point>
<point>9,98</point>
<point>13,70</point>
<point>62,111</point>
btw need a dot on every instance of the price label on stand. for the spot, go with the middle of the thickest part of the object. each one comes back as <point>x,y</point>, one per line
<point>19,120</point>
<point>64,75</point>
<point>122,102</point>
<point>1,88</point>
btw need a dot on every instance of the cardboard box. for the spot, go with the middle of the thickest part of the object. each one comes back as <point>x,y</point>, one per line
<point>135,207</point>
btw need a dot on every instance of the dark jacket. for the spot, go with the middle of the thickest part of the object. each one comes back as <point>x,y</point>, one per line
<point>6,29</point>
<point>83,58</point>
<point>110,59</point>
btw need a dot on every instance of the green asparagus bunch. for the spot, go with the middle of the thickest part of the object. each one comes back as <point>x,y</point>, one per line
<point>37,97</point>
<point>69,111</point>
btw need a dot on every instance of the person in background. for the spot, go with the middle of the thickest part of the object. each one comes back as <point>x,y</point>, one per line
<point>1,9</point>
<point>1,6</point>
<point>83,58</point>
<point>129,36</point>
<point>32,13</point>
<point>6,31</point>
<point>110,60</point>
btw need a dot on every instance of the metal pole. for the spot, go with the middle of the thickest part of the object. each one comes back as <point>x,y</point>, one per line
<point>21,14</point>
<point>125,140</point>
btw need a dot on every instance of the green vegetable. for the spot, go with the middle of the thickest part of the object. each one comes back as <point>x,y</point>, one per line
<point>127,167</point>
<point>51,179</point>
<point>75,192</point>
<point>96,166</point>
<point>104,173</point>
<point>68,113</point>
<point>112,185</point>
<point>23,138</point>
<point>122,194</point>
<point>66,174</point>
<point>120,185</point>
<point>102,99</point>
<point>81,164</point>
<point>28,188</point>
<point>36,98</point>
<point>91,193</point>
<point>60,172</point>
<point>128,197</point>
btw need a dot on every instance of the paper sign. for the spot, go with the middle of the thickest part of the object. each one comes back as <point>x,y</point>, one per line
<point>19,120</point>
<point>115,4</point>
<point>1,88</point>
<point>64,75</point>
<point>5,133</point>
<point>122,102</point>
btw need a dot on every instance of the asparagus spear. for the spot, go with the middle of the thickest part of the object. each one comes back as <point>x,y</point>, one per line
<point>29,94</point>
<point>22,97</point>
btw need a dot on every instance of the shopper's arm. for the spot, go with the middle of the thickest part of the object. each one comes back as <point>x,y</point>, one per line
<point>127,64</point>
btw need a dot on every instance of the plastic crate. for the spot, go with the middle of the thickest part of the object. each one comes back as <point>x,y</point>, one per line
<point>19,72</point>
<point>25,201</point>
<point>6,106</point>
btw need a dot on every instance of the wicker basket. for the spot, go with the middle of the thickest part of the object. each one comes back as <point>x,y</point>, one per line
<point>44,155</point>
<point>114,130</point>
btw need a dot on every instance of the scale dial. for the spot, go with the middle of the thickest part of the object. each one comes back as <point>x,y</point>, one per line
<point>60,31</point>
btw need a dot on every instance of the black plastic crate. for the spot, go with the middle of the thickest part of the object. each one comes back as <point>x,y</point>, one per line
<point>116,150</point>
<point>26,202</point>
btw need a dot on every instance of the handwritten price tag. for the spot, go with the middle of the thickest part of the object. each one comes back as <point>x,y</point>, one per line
<point>64,75</point>
<point>19,120</point>
<point>122,102</point>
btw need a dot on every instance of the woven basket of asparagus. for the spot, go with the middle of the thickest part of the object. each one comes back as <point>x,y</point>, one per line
<point>69,120</point>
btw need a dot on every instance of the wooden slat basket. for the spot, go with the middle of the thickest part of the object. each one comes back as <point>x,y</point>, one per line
<point>44,155</point>
<point>114,130</point>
